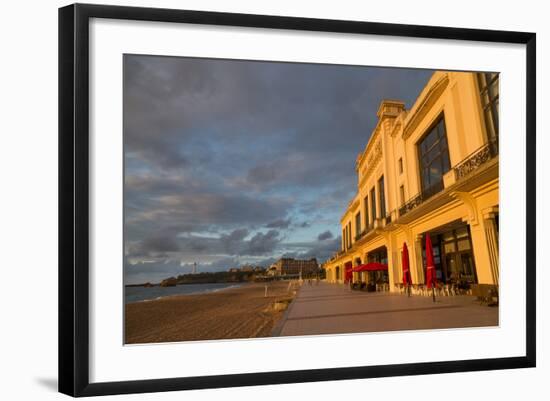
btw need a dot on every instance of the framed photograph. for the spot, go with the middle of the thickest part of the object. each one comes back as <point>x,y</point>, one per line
<point>251,199</point>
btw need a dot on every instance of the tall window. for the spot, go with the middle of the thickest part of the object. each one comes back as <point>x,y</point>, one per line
<point>358,224</point>
<point>373,204</point>
<point>349,233</point>
<point>402,194</point>
<point>344,239</point>
<point>347,238</point>
<point>434,161</point>
<point>489,92</point>
<point>400,165</point>
<point>382,197</point>
<point>366,212</point>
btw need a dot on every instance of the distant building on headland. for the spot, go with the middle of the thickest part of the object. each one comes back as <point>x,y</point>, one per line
<point>286,266</point>
<point>247,269</point>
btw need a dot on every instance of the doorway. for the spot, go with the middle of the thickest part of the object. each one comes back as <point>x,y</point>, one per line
<point>458,265</point>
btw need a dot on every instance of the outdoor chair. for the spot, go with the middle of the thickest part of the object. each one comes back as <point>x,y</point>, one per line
<point>422,290</point>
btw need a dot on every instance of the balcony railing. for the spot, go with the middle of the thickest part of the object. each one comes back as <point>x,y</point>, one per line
<point>463,169</point>
<point>420,198</point>
<point>360,235</point>
<point>476,159</point>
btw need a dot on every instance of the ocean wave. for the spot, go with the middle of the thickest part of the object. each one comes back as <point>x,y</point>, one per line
<point>139,294</point>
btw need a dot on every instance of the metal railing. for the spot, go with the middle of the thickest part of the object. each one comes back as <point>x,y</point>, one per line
<point>420,198</point>
<point>476,159</point>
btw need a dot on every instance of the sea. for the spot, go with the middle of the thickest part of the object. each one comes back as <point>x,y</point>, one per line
<point>137,294</point>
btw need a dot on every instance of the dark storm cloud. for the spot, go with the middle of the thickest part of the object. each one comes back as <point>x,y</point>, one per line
<point>216,150</point>
<point>201,211</point>
<point>263,244</point>
<point>324,235</point>
<point>321,249</point>
<point>279,223</point>
<point>235,244</point>
<point>154,246</point>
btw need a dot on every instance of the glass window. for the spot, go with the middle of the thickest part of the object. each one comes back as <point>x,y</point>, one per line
<point>358,223</point>
<point>489,93</point>
<point>402,194</point>
<point>462,232</point>
<point>366,202</point>
<point>464,244</point>
<point>346,237</point>
<point>448,236</point>
<point>450,247</point>
<point>373,204</point>
<point>382,197</point>
<point>434,158</point>
<point>400,165</point>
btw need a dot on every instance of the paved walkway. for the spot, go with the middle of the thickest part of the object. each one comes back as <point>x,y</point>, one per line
<point>333,308</point>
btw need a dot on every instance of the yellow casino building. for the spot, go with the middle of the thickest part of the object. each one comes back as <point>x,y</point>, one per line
<point>431,169</point>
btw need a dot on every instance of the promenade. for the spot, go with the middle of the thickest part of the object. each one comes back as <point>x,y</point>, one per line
<point>332,308</point>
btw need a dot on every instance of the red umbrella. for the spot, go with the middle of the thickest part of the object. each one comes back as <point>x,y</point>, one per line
<point>406,271</point>
<point>405,261</point>
<point>430,266</point>
<point>348,272</point>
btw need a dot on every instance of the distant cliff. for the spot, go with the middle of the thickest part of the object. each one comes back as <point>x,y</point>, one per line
<point>218,277</point>
<point>206,278</point>
<point>169,282</point>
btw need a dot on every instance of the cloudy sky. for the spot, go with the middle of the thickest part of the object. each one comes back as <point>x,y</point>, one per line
<point>234,162</point>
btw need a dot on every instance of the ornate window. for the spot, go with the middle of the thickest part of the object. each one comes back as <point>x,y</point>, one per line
<point>433,152</point>
<point>373,204</point>
<point>382,197</point>
<point>489,93</point>
<point>366,212</point>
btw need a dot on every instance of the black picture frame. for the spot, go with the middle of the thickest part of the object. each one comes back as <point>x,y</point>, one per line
<point>74,198</point>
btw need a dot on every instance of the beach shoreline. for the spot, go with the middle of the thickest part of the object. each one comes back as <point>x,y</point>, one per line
<point>157,292</point>
<point>232,313</point>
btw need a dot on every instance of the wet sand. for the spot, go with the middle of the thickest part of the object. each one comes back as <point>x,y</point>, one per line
<point>241,312</point>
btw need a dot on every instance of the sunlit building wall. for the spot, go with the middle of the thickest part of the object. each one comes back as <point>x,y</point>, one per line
<point>431,169</point>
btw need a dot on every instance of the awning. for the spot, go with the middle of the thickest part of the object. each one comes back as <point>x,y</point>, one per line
<point>370,267</point>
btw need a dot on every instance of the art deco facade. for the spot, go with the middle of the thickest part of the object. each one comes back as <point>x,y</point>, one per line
<point>431,169</point>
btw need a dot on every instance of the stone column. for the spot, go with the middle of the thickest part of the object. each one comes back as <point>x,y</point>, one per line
<point>416,262</point>
<point>491,234</point>
<point>392,260</point>
<point>482,252</point>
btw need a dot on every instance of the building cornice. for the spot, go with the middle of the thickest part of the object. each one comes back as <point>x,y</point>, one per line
<point>374,159</point>
<point>424,104</point>
<point>353,204</point>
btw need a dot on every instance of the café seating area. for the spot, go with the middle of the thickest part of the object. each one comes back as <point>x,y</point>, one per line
<point>371,287</point>
<point>447,290</point>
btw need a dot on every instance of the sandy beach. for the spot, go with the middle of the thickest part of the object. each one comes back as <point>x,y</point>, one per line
<point>241,312</point>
